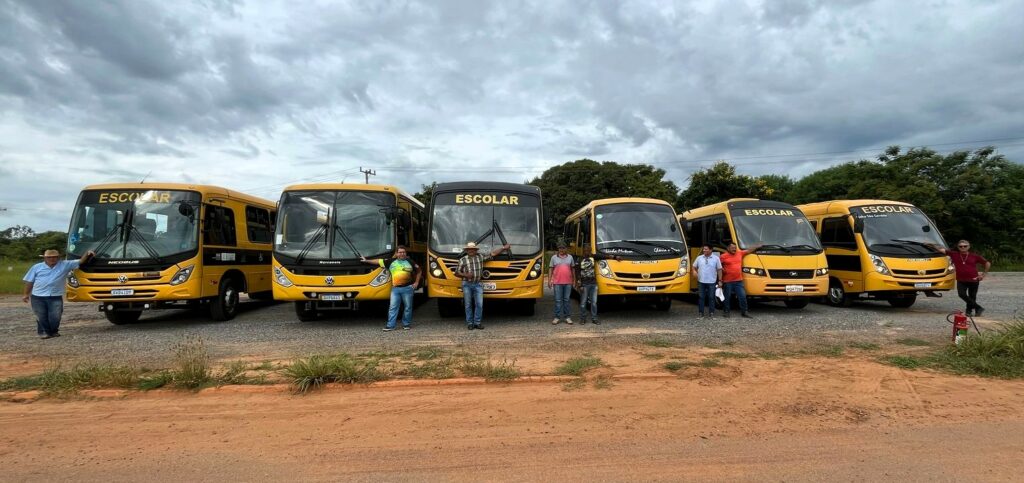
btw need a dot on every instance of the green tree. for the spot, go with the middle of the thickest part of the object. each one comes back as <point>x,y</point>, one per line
<point>425,193</point>
<point>720,182</point>
<point>569,186</point>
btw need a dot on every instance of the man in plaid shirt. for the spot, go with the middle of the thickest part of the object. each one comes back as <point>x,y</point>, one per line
<point>470,270</point>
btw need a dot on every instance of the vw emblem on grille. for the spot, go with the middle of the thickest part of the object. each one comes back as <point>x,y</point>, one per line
<point>922,272</point>
<point>329,280</point>
<point>645,276</point>
<point>485,274</point>
<point>793,274</point>
<point>122,278</point>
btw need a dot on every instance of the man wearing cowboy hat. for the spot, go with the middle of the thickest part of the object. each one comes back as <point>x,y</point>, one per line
<point>44,288</point>
<point>470,271</point>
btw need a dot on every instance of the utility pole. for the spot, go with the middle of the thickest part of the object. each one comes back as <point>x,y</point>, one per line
<point>367,172</point>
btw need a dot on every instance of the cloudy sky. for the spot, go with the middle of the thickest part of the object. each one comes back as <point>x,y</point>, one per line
<point>257,95</point>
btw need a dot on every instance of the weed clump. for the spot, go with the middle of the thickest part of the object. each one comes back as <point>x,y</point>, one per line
<point>315,371</point>
<point>578,365</point>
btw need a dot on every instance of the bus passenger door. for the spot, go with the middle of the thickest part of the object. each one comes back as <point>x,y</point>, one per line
<point>841,253</point>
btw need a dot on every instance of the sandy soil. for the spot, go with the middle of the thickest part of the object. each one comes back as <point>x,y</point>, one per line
<point>843,419</point>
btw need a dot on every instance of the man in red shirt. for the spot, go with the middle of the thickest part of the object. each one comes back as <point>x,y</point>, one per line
<point>732,276</point>
<point>967,277</point>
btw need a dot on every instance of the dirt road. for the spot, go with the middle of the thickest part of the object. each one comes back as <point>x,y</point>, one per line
<point>792,419</point>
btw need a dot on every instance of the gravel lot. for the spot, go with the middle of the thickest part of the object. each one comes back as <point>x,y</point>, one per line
<point>270,331</point>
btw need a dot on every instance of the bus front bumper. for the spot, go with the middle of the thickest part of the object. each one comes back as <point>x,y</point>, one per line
<point>315,293</point>
<point>533,289</point>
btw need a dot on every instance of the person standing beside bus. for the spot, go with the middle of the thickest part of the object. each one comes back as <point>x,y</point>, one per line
<point>560,278</point>
<point>967,277</point>
<point>708,269</point>
<point>732,277</point>
<point>470,270</point>
<point>44,288</point>
<point>405,278</point>
<point>586,282</point>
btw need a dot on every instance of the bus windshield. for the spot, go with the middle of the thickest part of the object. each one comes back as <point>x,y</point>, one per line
<point>644,228</point>
<point>458,219</point>
<point>897,230</point>
<point>134,224</point>
<point>776,229</point>
<point>335,224</point>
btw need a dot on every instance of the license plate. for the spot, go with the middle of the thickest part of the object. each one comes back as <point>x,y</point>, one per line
<point>794,288</point>
<point>122,291</point>
<point>489,286</point>
<point>645,288</point>
<point>922,284</point>
<point>332,296</point>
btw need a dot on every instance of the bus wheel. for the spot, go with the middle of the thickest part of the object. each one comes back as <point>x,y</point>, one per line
<point>123,317</point>
<point>306,311</point>
<point>225,306</point>
<point>837,295</point>
<point>663,304</point>
<point>904,301</point>
<point>797,303</point>
<point>449,307</point>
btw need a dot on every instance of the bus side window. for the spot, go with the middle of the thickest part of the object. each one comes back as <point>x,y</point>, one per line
<point>836,232</point>
<point>258,225</point>
<point>718,232</point>
<point>585,229</point>
<point>814,225</point>
<point>219,226</point>
<point>418,226</point>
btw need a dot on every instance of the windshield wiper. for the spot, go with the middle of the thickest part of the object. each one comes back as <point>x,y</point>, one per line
<point>659,245</point>
<point>774,247</point>
<point>914,242</point>
<point>501,236</point>
<point>803,246</point>
<point>348,241</point>
<point>145,244</point>
<point>322,230</point>
<point>108,239</point>
<point>897,245</point>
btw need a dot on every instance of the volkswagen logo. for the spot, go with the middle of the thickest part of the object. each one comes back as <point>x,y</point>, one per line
<point>922,272</point>
<point>485,274</point>
<point>645,276</point>
<point>793,274</point>
<point>329,280</point>
<point>122,278</point>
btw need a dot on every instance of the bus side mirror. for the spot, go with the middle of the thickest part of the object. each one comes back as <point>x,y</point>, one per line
<point>672,227</point>
<point>858,225</point>
<point>185,209</point>
<point>926,228</point>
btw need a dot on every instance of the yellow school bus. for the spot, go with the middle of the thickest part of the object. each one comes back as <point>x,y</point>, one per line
<point>166,245</point>
<point>492,215</point>
<point>322,231</point>
<point>645,234</point>
<point>790,265</point>
<point>880,249</point>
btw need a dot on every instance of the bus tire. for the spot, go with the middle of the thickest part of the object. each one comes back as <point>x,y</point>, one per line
<point>225,305</point>
<point>304,313</point>
<point>449,307</point>
<point>903,302</point>
<point>123,317</point>
<point>797,303</point>
<point>663,304</point>
<point>837,296</point>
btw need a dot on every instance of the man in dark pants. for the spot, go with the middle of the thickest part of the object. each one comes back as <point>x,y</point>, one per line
<point>708,269</point>
<point>732,277</point>
<point>967,277</point>
<point>470,270</point>
<point>44,288</point>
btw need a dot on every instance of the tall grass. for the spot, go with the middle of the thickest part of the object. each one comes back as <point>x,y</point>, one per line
<point>993,353</point>
<point>315,371</point>
<point>191,363</point>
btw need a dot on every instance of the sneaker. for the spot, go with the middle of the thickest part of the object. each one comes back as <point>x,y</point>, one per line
<point>568,320</point>
<point>55,334</point>
<point>470,327</point>
<point>700,316</point>
<point>388,329</point>
<point>746,315</point>
<point>406,327</point>
<point>554,321</point>
<point>479,327</point>
<point>711,315</point>
<point>583,321</point>
<point>978,311</point>
<point>596,322</point>
<point>969,312</point>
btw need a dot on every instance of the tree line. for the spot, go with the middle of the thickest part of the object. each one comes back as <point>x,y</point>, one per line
<point>20,242</point>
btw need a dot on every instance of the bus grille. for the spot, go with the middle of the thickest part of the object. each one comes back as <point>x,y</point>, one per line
<point>791,273</point>
<point>639,277</point>
<point>129,280</point>
<point>493,273</point>
<point>916,274</point>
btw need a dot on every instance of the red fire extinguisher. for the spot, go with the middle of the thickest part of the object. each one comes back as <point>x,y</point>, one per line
<point>960,325</point>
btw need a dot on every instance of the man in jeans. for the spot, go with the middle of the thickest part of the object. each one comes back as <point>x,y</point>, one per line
<point>405,278</point>
<point>732,277</point>
<point>708,269</point>
<point>560,278</point>
<point>44,287</point>
<point>470,270</point>
<point>586,282</point>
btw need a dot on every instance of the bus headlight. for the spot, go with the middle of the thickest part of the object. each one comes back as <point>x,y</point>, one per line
<point>380,279</point>
<point>684,263</point>
<point>535,271</point>
<point>72,280</point>
<point>755,271</point>
<point>182,275</point>
<point>879,264</point>
<point>435,268</point>
<point>821,271</point>
<point>604,270</point>
<point>280,278</point>
<point>951,268</point>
